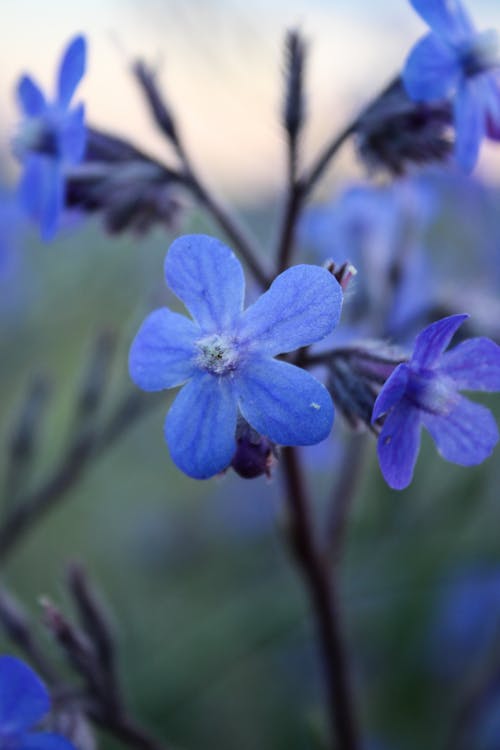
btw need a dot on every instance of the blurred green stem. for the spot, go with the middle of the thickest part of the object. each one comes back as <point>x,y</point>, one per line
<point>323,591</point>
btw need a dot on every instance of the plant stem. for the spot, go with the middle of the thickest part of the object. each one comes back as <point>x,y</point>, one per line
<point>324,598</point>
<point>231,226</point>
<point>323,160</point>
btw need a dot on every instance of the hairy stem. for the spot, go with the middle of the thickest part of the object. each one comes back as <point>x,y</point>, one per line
<point>323,593</point>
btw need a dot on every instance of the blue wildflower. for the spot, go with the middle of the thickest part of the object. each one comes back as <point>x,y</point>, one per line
<point>225,357</point>
<point>24,701</point>
<point>50,138</point>
<point>455,60</point>
<point>425,391</point>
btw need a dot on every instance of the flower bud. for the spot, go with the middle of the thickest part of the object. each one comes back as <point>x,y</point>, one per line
<point>255,454</point>
<point>395,132</point>
<point>356,375</point>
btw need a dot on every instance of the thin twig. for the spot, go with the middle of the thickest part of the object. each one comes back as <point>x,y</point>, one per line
<point>230,225</point>
<point>323,160</point>
<point>324,598</point>
<point>167,124</point>
<point>87,446</point>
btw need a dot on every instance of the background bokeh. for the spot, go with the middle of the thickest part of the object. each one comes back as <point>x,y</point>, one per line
<point>217,647</point>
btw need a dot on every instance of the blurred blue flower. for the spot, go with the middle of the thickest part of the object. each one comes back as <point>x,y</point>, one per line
<point>379,231</point>
<point>24,701</point>
<point>425,391</point>
<point>456,60</point>
<point>467,620</point>
<point>464,636</point>
<point>225,357</point>
<point>50,138</point>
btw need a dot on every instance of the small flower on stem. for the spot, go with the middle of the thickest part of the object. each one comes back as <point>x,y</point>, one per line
<point>24,701</point>
<point>225,357</point>
<point>50,138</point>
<point>426,391</point>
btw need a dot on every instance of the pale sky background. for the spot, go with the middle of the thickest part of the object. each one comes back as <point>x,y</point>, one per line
<point>220,63</point>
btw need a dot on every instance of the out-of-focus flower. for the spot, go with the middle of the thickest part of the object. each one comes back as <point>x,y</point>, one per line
<point>464,648</point>
<point>50,138</point>
<point>466,621</point>
<point>425,391</point>
<point>24,701</point>
<point>225,356</point>
<point>380,231</point>
<point>128,189</point>
<point>456,61</point>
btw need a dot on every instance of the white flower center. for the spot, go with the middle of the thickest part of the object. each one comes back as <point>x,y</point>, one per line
<point>431,392</point>
<point>217,354</point>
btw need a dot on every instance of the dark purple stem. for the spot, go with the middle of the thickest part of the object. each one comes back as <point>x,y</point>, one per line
<point>324,598</point>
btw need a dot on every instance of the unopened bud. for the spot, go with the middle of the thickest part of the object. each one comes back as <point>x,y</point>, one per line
<point>255,454</point>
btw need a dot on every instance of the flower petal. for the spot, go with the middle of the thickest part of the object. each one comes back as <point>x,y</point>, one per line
<point>31,99</point>
<point>71,70</point>
<point>200,427</point>
<point>208,278</point>
<point>285,403</point>
<point>433,340</point>
<point>393,391</point>
<point>53,199</point>
<point>31,186</point>
<point>474,365</point>
<point>73,135</point>
<point>162,354</point>
<point>470,124</point>
<point>41,192</point>
<point>302,306</point>
<point>432,70</point>
<point>465,436</point>
<point>448,18</point>
<point>45,741</point>
<point>24,699</point>
<point>398,445</point>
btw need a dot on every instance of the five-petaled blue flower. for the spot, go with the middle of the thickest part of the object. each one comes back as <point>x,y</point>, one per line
<point>225,356</point>
<point>50,138</point>
<point>425,391</point>
<point>24,701</point>
<point>456,60</point>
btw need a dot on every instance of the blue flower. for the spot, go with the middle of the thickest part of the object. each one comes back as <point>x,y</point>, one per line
<point>455,60</point>
<point>24,701</point>
<point>50,138</point>
<point>425,391</point>
<point>225,357</point>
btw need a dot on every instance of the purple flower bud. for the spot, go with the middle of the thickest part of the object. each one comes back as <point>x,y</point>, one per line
<point>395,133</point>
<point>255,454</point>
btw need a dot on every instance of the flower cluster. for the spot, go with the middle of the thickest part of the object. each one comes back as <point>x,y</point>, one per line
<point>24,701</point>
<point>226,356</point>
<point>50,138</point>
